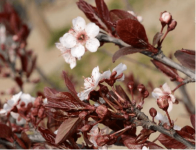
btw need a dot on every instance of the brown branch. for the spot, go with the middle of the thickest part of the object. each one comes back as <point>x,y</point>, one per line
<point>146,123</point>
<point>159,56</point>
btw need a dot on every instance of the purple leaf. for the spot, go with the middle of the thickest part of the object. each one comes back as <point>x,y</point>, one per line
<point>66,129</point>
<point>117,14</point>
<point>167,70</point>
<point>132,32</point>
<point>156,38</point>
<point>186,58</point>
<point>91,13</point>
<point>5,132</point>
<point>125,51</point>
<point>62,100</point>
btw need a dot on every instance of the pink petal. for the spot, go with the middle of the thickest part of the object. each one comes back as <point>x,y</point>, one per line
<point>157,92</point>
<point>92,44</point>
<point>78,24</point>
<point>78,51</point>
<point>170,106</point>
<point>166,88</point>
<point>92,30</point>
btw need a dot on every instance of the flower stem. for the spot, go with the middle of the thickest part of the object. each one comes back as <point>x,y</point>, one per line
<point>169,118</point>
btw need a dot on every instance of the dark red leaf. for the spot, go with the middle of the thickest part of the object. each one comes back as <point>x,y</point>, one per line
<point>26,140</point>
<point>62,100</point>
<point>144,135</point>
<point>167,70</point>
<point>103,12</point>
<point>19,81</point>
<point>48,135</point>
<point>152,145</point>
<point>188,129</point>
<point>91,13</point>
<point>24,62</point>
<point>67,128</point>
<point>69,84</point>
<point>132,32</point>
<point>169,142</point>
<point>5,131</point>
<point>57,114</point>
<point>125,51</point>
<point>186,58</point>
<point>156,38</point>
<point>33,65</point>
<point>192,117</point>
<point>129,142</point>
<point>117,14</point>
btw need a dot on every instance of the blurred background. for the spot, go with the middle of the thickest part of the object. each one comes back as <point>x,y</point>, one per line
<point>50,19</point>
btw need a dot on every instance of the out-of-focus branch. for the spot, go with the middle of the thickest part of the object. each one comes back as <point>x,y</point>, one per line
<point>45,78</point>
<point>159,56</point>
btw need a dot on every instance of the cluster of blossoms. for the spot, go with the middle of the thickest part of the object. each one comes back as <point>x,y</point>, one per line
<point>19,101</point>
<point>78,40</point>
<point>92,82</point>
<point>164,96</point>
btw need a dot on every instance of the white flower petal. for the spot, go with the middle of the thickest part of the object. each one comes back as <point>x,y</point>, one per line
<point>45,101</point>
<point>119,69</point>
<point>26,98</point>
<point>173,99</point>
<point>60,47</point>
<point>3,112</point>
<point>177,128</point>
<point>14,115</point>
<point>145,148</point>
<point>78,24</point>
<point>122,78</point>
<point>55,132</point>
<point>157,92</point>
<point>166,88</point>
<point>92,44</point>
<point>92,30</point>
<point>106,75</point>
<point>96,74</point>
<point>139,18</point>
<point>84,94</point>
<point>170,106</point>
<point>7,107</point>
<point>72,64</point>
<point>78,51</point>
<point>20,121</point>
<point>162,118</point>
<point>68,40</point>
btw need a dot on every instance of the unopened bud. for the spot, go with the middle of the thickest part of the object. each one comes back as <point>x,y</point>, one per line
<point>172,25</point>
<point>153,112</point>
<point>165,18</point>
<point>102,111</point>
<point>145,94</point>
<point>163,103</point>
<point>86,128</point>
<point>141,88</point>
<point>130,85</point>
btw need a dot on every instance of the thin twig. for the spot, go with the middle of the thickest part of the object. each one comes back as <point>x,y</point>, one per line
<point>159,56</point>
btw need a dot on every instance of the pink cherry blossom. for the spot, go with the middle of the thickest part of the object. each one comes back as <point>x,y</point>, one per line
<point>91,83</point>
<point>16,100</point>
<point>164,119</point>
<point>163,92</point>
<point>79,39</point>
<point>94,133</point>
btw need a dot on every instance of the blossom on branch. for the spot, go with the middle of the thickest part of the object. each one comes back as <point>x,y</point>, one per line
<point>78,40</point>
<point>91,83</point>
<point>164,93</point>
<point>19,101</point>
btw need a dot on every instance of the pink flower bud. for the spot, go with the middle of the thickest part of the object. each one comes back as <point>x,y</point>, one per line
<point>172,25</point>
<point>153,112</point>
<point>141,88</point>
<point>102,111</point>
<point>165,18</point>
<point>163,103</point>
